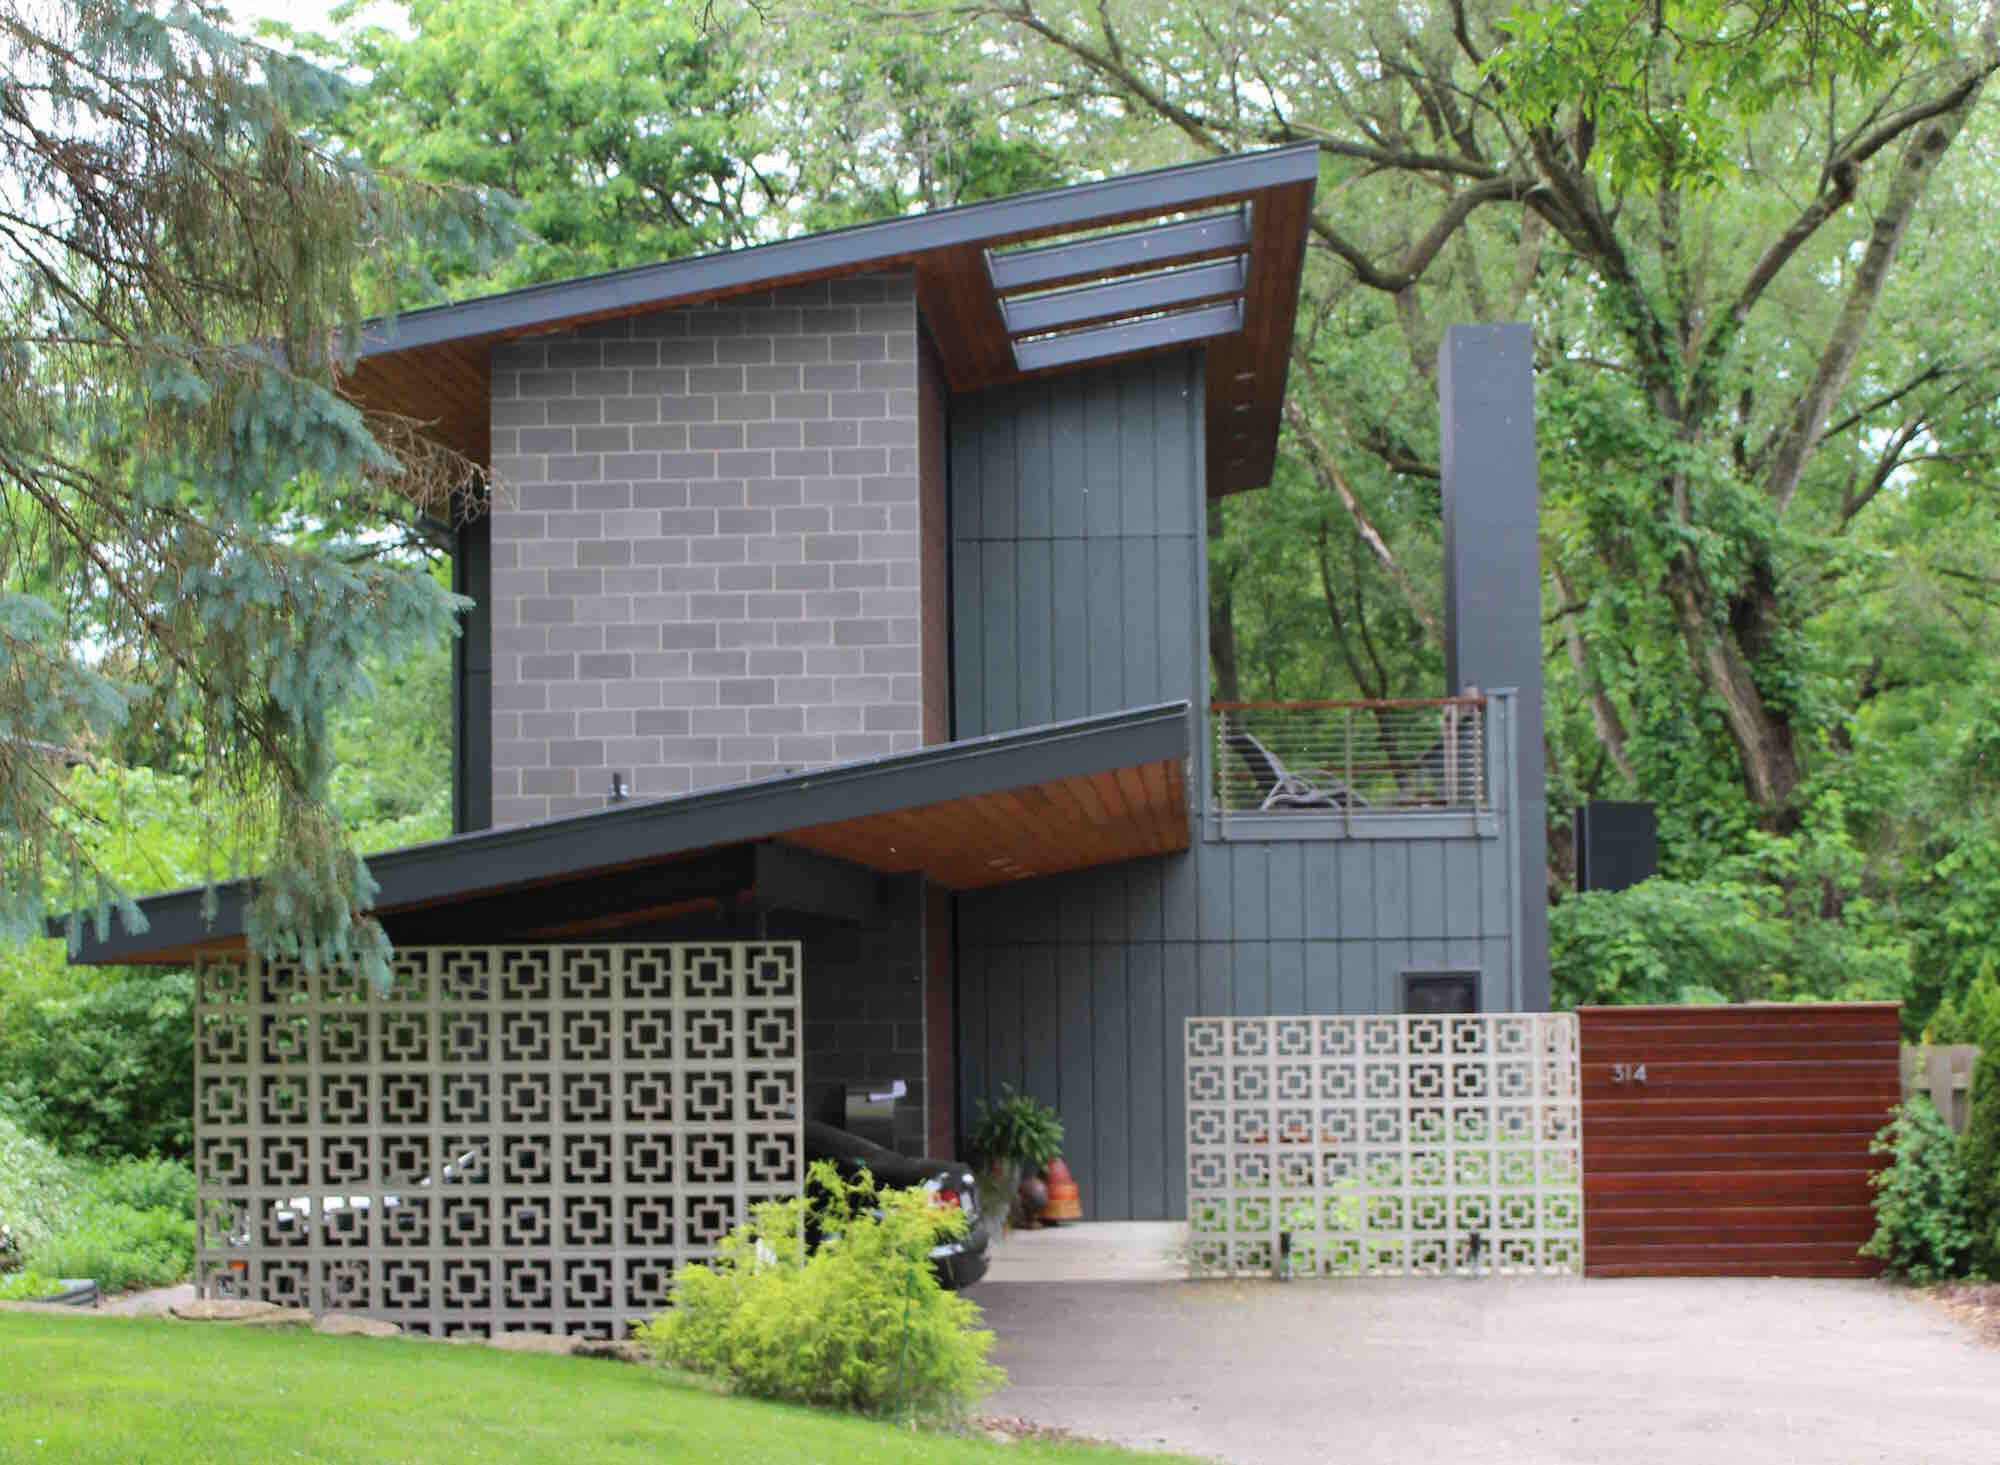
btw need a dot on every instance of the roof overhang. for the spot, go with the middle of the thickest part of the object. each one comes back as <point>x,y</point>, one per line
<point>965,815</point>
<point>1034,285</point>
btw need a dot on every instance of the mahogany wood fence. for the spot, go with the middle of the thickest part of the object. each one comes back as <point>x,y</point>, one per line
<point>1733,1141</point>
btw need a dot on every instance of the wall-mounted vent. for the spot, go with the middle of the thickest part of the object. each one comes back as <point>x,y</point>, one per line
<point>1428,994</point>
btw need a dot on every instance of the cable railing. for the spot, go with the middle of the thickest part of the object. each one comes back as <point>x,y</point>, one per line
<point>1349,757</point>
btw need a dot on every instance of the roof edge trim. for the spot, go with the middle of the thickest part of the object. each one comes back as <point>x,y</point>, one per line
<point>645,287</point>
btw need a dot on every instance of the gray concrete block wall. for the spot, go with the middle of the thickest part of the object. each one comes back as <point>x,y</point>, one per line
<point>864,1010</point>
<point>864,1004</point>
<point>705,546</point>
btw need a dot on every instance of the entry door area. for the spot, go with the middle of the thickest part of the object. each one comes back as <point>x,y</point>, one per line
<point>510,1138</point>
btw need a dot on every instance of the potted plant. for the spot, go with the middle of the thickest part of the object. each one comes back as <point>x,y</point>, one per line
<point>1016,1138</point>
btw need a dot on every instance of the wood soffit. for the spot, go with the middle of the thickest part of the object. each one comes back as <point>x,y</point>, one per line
<point>1107,271</point>
<point>1043,829</point>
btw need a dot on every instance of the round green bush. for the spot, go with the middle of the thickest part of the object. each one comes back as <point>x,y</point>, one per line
<point>859,1323</point>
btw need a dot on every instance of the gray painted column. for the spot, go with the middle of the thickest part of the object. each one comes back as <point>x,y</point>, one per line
<point>472,679</point>
<point>1493,580</point>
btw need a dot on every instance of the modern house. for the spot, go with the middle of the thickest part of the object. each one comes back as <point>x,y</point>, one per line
<point>850,591</point>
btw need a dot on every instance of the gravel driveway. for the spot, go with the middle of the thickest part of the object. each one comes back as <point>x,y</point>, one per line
<point>1496,1371</point>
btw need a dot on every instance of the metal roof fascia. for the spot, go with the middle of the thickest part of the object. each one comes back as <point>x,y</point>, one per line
<point>1158,191</point>
<point>633,833</point>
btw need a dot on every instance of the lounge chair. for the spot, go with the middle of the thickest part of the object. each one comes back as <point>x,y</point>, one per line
<point>1283,788</point>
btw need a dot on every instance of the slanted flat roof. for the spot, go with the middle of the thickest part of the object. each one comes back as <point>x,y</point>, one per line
<point>1209,252</point>
<point>969,814</point>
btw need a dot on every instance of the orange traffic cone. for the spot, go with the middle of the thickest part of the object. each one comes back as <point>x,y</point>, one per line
<point>1064,1202</point>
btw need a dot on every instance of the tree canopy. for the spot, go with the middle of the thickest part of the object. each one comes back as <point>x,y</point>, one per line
<point>1749,235</point>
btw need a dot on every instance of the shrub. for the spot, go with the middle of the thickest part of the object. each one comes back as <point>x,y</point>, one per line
<point>1649,942</point>
<point>151,1184</point>
<point>1923,1224</point>
<point>858,1323</point>
<point>37,1188</point>
<point>1979,1153</point>
<point>118,1247</point>
<point>28,1287</point>
<point>1968,1020</point>
<point>107,1070</point>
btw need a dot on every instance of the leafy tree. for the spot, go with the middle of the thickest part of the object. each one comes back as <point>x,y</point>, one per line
<point>108,1068</point>
<point>879,120</point>
<point>181,269</point>
<point>392,753</point>
<point>629,130</point>
<point>1715,215</point>
<point>633,131</point>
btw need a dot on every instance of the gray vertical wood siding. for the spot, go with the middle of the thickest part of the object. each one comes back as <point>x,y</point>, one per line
<point>1079,586</point>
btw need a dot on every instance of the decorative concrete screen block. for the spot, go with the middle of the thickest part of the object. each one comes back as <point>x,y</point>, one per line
<point>511,1138</point>
<point>1384,1146</point>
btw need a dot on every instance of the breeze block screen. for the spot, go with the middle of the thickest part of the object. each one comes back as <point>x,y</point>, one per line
<point>1385,1146</point>
<point>512,1138</point>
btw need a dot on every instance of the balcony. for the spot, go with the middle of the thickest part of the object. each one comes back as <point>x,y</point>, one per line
<point>1334,769</point>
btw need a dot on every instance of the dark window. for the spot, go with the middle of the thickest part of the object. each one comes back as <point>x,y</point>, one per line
<point>1432,992</point>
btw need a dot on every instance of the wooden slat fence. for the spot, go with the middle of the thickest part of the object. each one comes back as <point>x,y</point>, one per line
<point>1944,1075</point>
<point>1733,1141</point>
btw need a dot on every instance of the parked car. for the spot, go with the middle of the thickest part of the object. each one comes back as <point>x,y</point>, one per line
<point>958,1261</point>
<point>297,1210</point>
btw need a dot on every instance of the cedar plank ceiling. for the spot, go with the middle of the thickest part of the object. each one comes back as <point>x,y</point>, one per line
<point>1043,829</point>
<point>443,382</point>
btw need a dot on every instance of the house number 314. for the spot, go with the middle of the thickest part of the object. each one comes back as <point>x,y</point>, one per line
<point>1628,1073</point>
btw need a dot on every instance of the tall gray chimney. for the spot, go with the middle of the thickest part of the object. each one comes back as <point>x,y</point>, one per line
<point>1493,582</point>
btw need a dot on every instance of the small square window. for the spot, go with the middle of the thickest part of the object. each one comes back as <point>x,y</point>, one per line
<point>1427,993</point>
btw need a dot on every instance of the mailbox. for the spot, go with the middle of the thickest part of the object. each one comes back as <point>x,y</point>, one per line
<point>871,1110</point>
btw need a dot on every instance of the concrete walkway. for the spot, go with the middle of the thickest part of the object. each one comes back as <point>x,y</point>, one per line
<point>1097,1251</point>
<point>148,1304</point>
<point>1493,1371</point>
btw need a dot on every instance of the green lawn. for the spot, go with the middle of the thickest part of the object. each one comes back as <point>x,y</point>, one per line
<point>147,1392</point>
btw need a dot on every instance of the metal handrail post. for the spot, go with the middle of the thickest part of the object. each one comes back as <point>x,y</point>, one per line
<point>1347,776</point>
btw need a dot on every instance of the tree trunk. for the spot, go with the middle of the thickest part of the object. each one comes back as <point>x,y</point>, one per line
<point>1603,711</point>
<point>1765,741</point>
